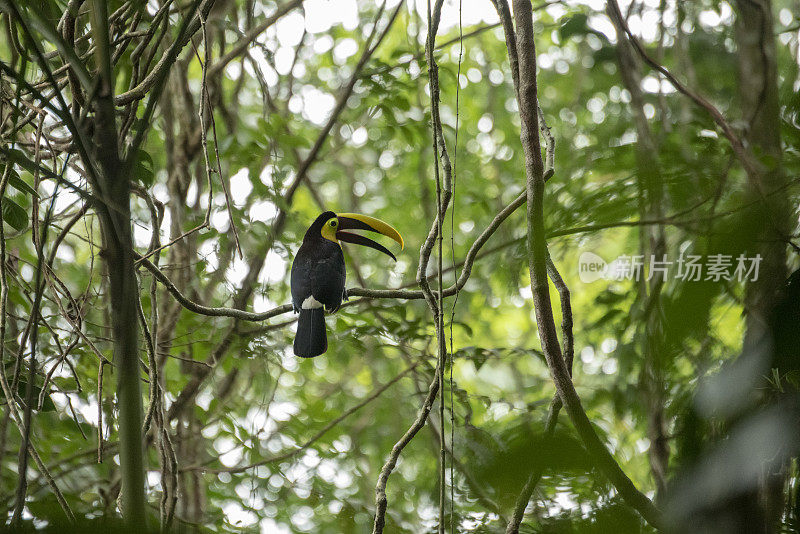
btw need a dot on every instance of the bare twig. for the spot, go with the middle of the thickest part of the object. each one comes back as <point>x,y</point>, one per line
<point>241,46</point>
<point>380,491</point>
<point>736,143</point>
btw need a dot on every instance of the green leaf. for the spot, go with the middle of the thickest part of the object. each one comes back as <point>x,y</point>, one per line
<point>48,405</point>
<point>575,25</point>
<point>609,298</point>
<point>143,168</point>
<point>22,391</point>
<point>607,317</point>
<point>19,157</point>
<point>14,215</point>
<point>606,53</point>
<point>20,184</point>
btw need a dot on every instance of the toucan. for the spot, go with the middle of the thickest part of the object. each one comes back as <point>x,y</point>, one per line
<point>318,273</point>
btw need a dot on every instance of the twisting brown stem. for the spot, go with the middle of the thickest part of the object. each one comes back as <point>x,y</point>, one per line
<point>380,491</point>
<point>435,303</point>
<point>155,413</point>
<point>100,411</point>
<point>442,202</point>
<point>555,405</point>
<point>567,341</point>
<point>7,391</point>
<point>206,113</point>
<point>39,240</point>
<point>525,53</point>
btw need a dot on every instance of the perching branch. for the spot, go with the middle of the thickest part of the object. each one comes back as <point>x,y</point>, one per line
<point>205,310</point>
<point>406,294</point>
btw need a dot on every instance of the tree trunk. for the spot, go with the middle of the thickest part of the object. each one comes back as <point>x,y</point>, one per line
<point>113,186</point>
<point>758,93</point>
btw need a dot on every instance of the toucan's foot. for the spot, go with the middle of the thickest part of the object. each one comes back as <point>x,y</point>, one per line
<point>345,296</point>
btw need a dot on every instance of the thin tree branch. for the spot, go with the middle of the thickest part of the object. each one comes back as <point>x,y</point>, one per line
<point>206,111</point>
<point>537,259</point>
<point>242,45</point>
<point>380,491</point>
<point>736,143</point>
<point>443,195</point>
<point>306,444</point>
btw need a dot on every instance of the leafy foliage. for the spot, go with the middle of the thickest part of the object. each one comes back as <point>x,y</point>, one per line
<point>253,446</point>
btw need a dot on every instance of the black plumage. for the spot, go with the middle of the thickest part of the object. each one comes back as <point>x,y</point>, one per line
<point>318,273</point>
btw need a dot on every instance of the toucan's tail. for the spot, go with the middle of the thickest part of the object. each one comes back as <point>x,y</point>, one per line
<point>310,340</point>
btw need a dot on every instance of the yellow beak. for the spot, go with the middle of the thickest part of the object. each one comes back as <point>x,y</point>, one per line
<point>369,223</point>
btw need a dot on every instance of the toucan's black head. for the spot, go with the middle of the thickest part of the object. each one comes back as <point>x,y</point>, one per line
<point>330,225</point>
<point>315,230</point>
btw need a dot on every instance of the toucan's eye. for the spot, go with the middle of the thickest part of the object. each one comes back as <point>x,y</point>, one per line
<point>333,223</point>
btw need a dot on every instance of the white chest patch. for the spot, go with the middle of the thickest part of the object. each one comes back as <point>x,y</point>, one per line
<point>311,303</point>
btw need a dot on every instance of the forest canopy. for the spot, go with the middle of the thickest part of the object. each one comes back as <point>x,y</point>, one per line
<point>593,326</point>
